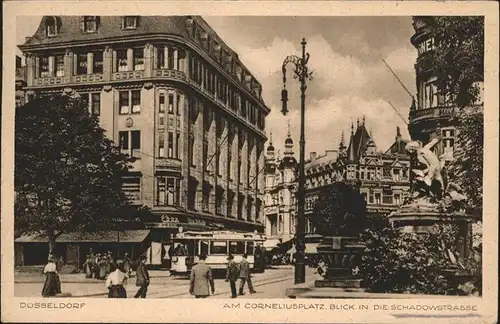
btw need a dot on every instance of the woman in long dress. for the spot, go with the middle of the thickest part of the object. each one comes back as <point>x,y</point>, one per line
<point>87,266</point>
<point>102,268</point>
<point>115,282</point>
<point>52,284</point>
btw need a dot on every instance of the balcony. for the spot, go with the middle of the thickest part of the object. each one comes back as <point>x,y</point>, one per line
<point>170,74</point>
<point>432,113</point>
<point>49,81</point>
<point>167,164</point>
<point>128,75</point>
<point>87,78</point>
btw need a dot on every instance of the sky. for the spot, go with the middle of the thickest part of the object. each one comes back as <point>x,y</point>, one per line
<point>350,80</point>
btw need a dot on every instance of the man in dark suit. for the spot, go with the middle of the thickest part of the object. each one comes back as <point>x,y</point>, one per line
<point>201,278</point>
<point>142,280</point>
<point>232,274</point>
<point>245,275</point>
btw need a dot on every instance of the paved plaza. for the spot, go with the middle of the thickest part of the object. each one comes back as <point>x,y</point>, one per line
<point>270,284</point>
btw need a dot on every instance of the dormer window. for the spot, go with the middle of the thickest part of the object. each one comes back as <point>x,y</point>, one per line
<point>130,22</point>
<point>89,24</point>
<point>51,27</point>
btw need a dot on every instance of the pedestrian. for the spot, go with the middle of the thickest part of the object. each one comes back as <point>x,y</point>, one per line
<point>201,278</point>
<point>52,284</point>
<point>97,266</point>
<point>232,274</point>
<point>87,266</point>
<point>115,282</point>
<point>60,263</point>
<point>126,263</point>
<point>245,275</point>
<point>142,280</point>
<point>103,267</point>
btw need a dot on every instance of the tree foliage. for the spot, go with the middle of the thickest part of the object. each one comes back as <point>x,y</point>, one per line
<point>340,211</point>
<point>398,262</point>
<point>67,173</point>
<point>458,58</point>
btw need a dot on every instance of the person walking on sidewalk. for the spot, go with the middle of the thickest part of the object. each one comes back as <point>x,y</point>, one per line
<point>245,275</point>
<point>232,274</point>
<point>52,284</point>
<point>116,280</point>
<point>142,280</point>
<point>201,278</point>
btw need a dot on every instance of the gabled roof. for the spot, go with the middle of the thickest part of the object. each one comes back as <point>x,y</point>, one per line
<point>358,143</point>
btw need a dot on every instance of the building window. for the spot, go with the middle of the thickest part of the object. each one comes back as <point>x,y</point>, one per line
<point>130,143</point>
<point>378,198</point>
<point>161,145</point>
<point>170,62</point>
<point>171,103</point>
<point>162,102</point>
<point>129,99</point>
<point>191,150</point>
<point>178,105</point>
<point>131,187</point>
<point>59,65</point>
<point>94,102</point>
<point>121,61</point>
<point>168,191</point>
<point>396,175</point>
<point>98,62</point>
<point>397,199</point>
<point>205,155</point>
<point>89,24</point>
<point>170,145</point>
<point>44,67</point>
<point>51,27</point>
<point>138,59</point>
<point>130,22</point>
<point>218,201</point>
<point>81,64</point>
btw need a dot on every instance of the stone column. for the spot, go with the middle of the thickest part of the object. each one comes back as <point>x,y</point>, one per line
<point>108,63</point>
<point>90,63</point>
<point>130,59</point>
<point>261,181</point>
<point>223,162</point>
<point>155,57</point>
<point>37,67</point>
<point>186,63</point>
<point>30,69</point>
<point>244,172</point>
<point>198,152</point>
<point>148,60</point>
<point>68,66</point>
<point>52,64</point>
<point>176,59</point>
<point>148,145</point>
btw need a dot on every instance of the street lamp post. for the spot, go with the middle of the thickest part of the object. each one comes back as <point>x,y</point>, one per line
<point>300,72</point>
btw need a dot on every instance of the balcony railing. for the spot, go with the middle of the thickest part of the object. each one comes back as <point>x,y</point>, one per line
<point>173,74</point>
<point>50,80</point>
<point>85,78</point>
<point>166,163</point>
<point>435,112</point>
<point>127,75</point>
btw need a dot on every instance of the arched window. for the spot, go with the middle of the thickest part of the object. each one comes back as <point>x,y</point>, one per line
<point>51,26</point>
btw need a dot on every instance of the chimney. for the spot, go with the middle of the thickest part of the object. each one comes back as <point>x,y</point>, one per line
<point>313,156</point>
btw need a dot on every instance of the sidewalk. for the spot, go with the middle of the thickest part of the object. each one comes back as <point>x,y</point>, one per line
<point>21,277</point>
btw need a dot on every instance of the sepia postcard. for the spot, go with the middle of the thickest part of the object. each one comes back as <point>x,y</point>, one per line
<point>250,161</point>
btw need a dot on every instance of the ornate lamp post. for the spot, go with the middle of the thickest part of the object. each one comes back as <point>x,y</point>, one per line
<point>300,72</point>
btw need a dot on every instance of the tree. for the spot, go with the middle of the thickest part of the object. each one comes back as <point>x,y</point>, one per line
<point>458,58</point>
<point>67,173</point>
<point>341,211</point>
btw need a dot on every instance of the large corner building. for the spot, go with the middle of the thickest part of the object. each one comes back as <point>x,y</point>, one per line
<point>172,94</point>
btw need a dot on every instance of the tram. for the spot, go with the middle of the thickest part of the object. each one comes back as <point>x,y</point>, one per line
<point>187,246</point>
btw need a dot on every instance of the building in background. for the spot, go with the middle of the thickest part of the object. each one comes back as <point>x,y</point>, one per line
<point>176,97</point>
<point>20,82</point>
<point>279,199</point>
<point>431,114</point>
<point>384,177</point>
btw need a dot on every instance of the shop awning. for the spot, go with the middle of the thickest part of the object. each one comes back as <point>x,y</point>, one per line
<point>270,244</point>
<point>126,236</point>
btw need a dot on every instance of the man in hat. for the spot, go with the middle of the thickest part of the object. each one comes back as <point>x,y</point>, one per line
<point>201,278</point>
<point>142,280</point>
<point>245,275</point>
<point>232,274</point>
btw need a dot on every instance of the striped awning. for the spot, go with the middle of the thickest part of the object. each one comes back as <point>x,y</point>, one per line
<point>123,236</point>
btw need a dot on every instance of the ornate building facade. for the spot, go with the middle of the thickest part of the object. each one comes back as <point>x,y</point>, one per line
<point>172,94</point>
<point>20,82</point>
<point>384,177</point>
<point>431,115</point>
<point>279,199</point>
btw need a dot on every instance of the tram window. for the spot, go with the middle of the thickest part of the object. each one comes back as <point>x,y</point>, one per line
<point>204,247</point>
<point>193,248</point>
<point>180,250</point>
<point>236,247</point>
<point>218,247</point>
<point>250,248</point>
